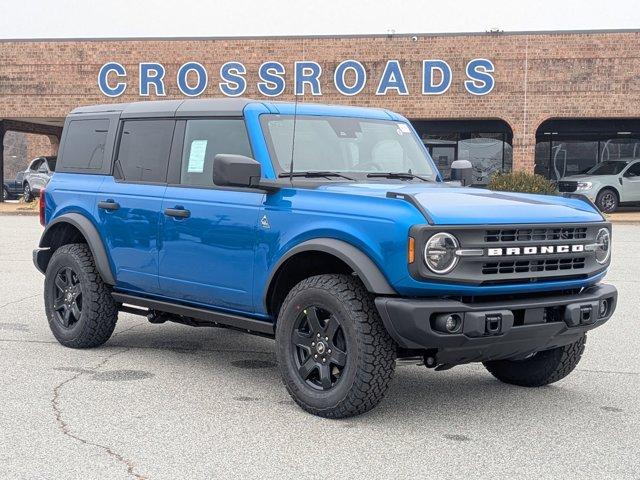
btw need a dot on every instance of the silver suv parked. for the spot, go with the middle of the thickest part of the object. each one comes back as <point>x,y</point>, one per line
<point>36,176</point>
<point>607,184</point>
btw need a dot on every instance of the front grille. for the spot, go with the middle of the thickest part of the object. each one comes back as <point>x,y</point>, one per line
<point>518,253</point>
<point>526,266</point>
<point>535,234</point>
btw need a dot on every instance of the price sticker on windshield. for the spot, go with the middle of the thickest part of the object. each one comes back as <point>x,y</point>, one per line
<point>403,128</point>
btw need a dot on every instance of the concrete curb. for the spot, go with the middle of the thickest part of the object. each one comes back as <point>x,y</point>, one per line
<point>20,214</point>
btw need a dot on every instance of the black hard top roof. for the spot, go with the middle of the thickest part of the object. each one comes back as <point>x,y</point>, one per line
<point>224,107</point>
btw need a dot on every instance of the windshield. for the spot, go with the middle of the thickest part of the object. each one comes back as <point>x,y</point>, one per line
<point>345,144</point>
<point>608,168</point>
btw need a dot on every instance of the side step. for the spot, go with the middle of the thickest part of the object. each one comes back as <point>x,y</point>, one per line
<point>210,317</point>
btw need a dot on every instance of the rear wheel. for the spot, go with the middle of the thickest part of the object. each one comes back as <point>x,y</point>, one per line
<point>607,200</point>
<point>542,369</point>
<point>27,194</point>
<point>335,356</point>
<point>79,305</point>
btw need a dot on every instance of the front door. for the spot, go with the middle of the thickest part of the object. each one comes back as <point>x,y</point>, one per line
<point>129,203</point>
<point>209,233</point>
<point>631,184</point>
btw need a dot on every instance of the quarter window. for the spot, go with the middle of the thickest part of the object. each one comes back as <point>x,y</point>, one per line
<point>203,140</point>
<point>144,150</point>
<point>84,144</point>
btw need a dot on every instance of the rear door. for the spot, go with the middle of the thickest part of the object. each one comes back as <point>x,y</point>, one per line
<point>129,203</point>
<point>208,232</point>
<point>631,183</point>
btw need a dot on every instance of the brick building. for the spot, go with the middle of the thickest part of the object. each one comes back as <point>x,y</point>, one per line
<point>555,102</point>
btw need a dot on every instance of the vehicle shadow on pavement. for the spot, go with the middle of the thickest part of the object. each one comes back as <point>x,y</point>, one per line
<point>465,393</point>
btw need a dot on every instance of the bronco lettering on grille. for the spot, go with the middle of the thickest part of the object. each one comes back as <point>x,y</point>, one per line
<point>534,250</point>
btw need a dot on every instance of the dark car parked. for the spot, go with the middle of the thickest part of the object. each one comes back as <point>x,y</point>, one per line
<point>11,190</point>
<point>36,176</point>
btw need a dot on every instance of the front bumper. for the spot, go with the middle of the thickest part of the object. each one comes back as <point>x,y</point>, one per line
<point>491,330</point>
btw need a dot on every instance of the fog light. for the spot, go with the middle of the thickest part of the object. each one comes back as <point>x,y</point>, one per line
<point>603,308</point>
<point>448,323</point>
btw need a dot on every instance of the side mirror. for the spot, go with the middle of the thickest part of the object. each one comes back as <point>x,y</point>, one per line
<point>235,171</point>
<point>462,171</point>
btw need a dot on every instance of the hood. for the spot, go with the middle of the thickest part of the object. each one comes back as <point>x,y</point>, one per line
<point>583,177</point>
<point>448,205</point>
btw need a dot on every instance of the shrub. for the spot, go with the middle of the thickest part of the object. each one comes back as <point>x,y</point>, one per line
<point>521,182</point>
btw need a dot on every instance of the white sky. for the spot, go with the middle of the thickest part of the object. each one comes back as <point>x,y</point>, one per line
<point>198,18</point>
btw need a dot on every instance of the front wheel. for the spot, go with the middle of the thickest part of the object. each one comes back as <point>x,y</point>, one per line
<point>335,357</point>
<point>607,200</point>
<point>543,368</point>
<point>5,193</point>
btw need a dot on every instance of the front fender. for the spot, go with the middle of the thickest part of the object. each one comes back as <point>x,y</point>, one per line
<point>373,279</point>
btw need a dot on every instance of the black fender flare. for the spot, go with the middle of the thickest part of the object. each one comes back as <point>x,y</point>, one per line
<point>91,235</point>
<point>373,279</point>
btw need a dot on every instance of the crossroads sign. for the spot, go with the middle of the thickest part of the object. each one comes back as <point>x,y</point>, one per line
<point>349,78</point>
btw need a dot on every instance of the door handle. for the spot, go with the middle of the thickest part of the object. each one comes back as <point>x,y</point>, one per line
<point>177,212</point>
<point>109,205</point>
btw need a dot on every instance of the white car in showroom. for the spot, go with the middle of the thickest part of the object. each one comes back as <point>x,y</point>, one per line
<point>607,184</point>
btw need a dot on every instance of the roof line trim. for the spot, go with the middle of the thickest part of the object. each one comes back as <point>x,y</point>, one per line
<point>328,36</point>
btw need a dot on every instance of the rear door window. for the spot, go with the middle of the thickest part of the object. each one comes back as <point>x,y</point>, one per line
<point>144,150</point>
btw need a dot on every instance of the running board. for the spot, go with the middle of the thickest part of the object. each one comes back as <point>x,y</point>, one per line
<point>214,318</point>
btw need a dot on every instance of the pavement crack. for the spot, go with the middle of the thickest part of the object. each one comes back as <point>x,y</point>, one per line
<point>127,329</point>
<point>66,429</point>
<point>19,300</point>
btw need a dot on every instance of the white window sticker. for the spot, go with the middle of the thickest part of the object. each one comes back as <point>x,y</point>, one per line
<point>196,156</point>
<point>404,128</point>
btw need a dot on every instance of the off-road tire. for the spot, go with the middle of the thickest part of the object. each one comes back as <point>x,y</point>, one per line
<point>371,352</point>
<point>607,200</point>
<point>543,368</point>
<point>99,311</point>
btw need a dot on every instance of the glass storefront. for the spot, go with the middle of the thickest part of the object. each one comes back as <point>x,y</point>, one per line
<point>572,146</point>
<point>485,143</point>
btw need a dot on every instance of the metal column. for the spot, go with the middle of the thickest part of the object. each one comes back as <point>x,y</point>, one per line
<point>2,130</point>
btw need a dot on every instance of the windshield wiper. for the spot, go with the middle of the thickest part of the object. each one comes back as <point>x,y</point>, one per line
<point>314,174</point>
<point>400,175</point>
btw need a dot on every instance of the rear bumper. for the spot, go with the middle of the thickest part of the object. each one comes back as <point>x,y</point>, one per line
<point>491,330</point>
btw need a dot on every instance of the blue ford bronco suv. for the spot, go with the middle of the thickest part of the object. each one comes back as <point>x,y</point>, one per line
<point>327,228</point>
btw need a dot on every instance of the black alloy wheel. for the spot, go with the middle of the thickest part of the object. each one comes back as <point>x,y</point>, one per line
<point>335,357</point>
<point>319,348</point>
<point>81,311</point>
<point>67,304</point>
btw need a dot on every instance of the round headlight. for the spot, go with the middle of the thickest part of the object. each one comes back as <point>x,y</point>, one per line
<point>440,253</point>
<point>603,245</point>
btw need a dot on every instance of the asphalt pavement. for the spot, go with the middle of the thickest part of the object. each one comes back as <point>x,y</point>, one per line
<point>171,401</point>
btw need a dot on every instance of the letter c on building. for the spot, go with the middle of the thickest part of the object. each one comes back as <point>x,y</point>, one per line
<point>103,79</point>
